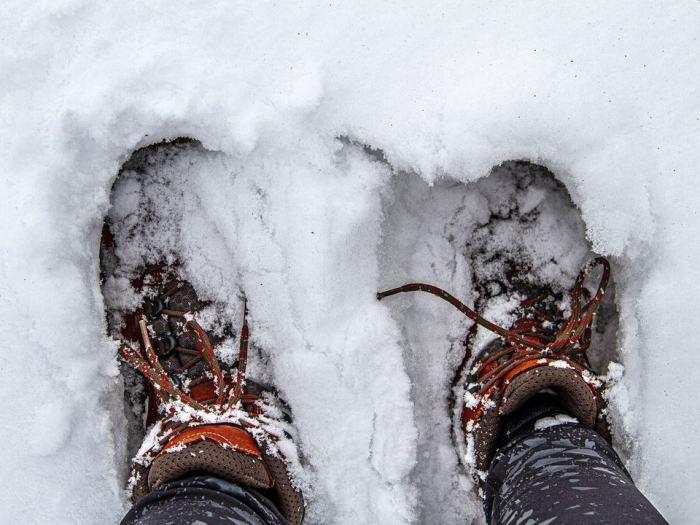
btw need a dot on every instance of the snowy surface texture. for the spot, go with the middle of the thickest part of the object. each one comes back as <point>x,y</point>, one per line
<point>283,98</point>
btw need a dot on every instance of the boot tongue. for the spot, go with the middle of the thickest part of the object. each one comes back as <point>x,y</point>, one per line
<point>204,392</point>
<point>184,299</point>
<point>180,296</point>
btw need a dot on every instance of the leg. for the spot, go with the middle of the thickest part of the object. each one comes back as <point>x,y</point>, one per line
<point>563,474</point>
<point>204,499</point>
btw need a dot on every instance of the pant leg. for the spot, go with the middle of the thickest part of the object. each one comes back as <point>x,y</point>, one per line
<point>203,500</point>
<point>563,474</point>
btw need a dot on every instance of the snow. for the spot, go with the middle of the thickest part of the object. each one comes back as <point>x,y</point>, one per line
<point>560,364</point>
<point>288,206</point>
<point>559,419</point>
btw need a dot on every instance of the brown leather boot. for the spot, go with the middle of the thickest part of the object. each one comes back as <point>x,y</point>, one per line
<point>540,351</point>
<point>203,416</point>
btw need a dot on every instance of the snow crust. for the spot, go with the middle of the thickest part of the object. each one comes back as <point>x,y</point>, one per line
<point>604,94</point>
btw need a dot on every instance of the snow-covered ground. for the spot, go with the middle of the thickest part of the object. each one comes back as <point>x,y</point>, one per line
<point>284,97</point>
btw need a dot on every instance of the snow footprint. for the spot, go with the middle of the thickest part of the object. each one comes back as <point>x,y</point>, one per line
<point>460,237</point>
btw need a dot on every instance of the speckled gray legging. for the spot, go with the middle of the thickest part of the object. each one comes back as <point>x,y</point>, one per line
<point>203,500</point>
<point>563,474</point>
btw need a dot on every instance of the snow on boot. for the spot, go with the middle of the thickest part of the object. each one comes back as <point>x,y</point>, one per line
<point>540,351</point>
<point>210,419</point>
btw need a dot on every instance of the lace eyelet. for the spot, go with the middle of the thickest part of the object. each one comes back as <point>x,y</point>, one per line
<point>153,307</point>
<point>166,345</point>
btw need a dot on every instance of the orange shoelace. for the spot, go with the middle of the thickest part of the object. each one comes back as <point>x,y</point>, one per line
<point>525,343</point>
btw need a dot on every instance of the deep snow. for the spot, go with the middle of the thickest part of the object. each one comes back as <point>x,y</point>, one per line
<point>603,94</point>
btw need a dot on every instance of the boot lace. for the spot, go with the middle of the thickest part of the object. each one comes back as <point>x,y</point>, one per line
<point>257,414</point>
<point>527,340</point>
